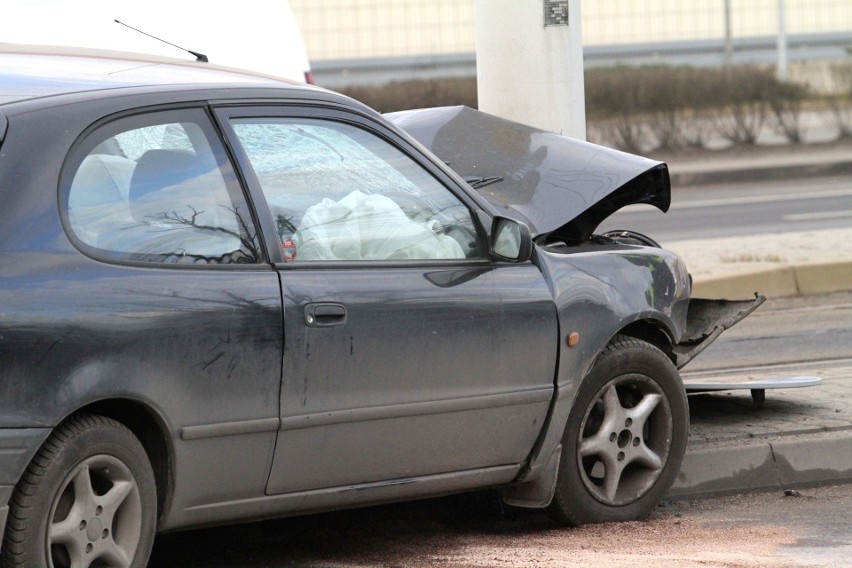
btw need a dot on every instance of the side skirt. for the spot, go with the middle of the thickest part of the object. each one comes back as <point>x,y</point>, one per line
<point>346,497</point>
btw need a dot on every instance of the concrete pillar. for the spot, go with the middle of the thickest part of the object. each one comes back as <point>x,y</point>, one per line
<point>529,63</point>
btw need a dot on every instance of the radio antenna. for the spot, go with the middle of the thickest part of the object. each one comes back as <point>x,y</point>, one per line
<point>198,56</point>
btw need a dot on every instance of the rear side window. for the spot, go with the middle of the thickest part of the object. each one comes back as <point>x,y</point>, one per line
<point>158,188</point>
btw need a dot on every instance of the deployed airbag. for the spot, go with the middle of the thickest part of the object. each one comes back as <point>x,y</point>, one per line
<point>369,227</point>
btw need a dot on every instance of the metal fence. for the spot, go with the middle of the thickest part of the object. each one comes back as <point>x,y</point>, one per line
<point>353,29</point>
<point>608,22</point>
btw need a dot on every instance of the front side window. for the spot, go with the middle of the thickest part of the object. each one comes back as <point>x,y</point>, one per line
<point>339,192</point>
<point>159,188</point>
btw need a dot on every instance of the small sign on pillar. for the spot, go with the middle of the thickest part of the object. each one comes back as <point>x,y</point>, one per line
<point>555,12</point>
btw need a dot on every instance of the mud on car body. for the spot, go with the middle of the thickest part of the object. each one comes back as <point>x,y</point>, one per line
<point>227,297</point>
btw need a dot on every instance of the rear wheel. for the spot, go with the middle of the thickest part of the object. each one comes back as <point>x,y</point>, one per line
<point>88,498</point>
<point>625,437</point>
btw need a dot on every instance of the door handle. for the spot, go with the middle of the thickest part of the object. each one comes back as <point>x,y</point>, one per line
<point>325,315</point>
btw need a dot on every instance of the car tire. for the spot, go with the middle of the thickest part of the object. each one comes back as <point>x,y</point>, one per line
<point>625,437</point>
<point>87,497</point>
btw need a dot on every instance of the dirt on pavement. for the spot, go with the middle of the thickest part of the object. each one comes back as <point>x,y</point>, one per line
<point>467,532</point>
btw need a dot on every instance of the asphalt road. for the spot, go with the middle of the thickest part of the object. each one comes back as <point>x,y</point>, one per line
<point>743,209</point>
<point>809,527</point>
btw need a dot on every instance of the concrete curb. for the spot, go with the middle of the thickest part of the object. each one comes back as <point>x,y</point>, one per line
<point>823,277</point>
<point>822,457</point>
<point>771,282</point>
<point>784,280</point>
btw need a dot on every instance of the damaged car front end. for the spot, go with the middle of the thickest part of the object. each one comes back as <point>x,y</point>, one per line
<point>610,289</point>
<point>563,188</point>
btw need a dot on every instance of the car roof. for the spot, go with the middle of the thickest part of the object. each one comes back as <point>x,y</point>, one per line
<point>29,71</point>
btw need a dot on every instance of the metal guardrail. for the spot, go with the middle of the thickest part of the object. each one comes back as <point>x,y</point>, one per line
<point>338,73</point>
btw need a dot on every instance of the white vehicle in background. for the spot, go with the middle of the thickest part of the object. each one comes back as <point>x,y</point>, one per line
<point>261,36</point>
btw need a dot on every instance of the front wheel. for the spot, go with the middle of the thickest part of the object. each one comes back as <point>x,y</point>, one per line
<point>625,437</point>
<point>88,498</point>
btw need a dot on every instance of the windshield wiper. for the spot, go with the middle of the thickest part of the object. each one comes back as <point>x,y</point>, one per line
<point>477,182</point>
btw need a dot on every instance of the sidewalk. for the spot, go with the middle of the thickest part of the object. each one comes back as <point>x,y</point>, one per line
<point>802,435</point>
<point>776,265</point>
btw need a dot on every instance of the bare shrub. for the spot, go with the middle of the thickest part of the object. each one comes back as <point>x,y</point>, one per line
<point>839,106</point>
<point>657,107</point>
<point>597,134</point>
<point>748,91</point>
<point>624,100</point>
<point>698,128</point>
<point>627,133</point>
<point>786,103</point>
<point>742,124</point>
<point>403,95</point>
<point>668,130</point>
<point>671,108</point>
<point>839,117</point>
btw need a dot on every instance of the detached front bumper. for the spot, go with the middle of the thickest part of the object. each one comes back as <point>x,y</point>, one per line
<point>706,320</point>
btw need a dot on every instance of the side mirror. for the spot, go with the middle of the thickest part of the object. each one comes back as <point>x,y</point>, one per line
<point>510,240</point>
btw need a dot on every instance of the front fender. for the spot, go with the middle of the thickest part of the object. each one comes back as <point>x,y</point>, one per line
<point>599,291</point>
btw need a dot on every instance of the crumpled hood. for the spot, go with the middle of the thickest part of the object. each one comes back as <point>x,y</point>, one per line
<point>562,188</point>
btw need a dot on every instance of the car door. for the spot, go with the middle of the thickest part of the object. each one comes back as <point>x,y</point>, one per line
<point>407,352</point>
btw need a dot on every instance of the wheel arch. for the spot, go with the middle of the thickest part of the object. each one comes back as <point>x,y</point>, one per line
<point>636,364</point>
<point>652,331</point>
<point>151,431</point>
<point>534,487</point>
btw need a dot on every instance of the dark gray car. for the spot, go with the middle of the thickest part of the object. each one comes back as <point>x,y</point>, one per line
<point>226,297</point>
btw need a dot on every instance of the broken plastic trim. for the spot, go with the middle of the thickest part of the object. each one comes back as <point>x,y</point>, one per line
<point>706,320</point>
